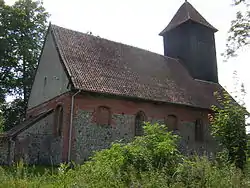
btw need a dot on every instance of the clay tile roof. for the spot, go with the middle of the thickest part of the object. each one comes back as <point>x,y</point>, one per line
<point>185,13</point>
<point>98,65</point>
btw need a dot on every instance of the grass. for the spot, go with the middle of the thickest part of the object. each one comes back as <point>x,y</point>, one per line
<point>196,173</point>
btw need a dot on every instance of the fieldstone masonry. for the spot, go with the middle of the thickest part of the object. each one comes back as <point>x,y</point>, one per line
<point>91,137</point>
<point>40,145</point>
<point>4,148</point>
<point>189,146</point>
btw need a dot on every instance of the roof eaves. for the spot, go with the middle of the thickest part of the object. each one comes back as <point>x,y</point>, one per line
<point>15,131</point>
<point>144,99</point>
<point>61,56</point>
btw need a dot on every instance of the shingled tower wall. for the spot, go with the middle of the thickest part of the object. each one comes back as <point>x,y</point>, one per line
<point>190,38</point>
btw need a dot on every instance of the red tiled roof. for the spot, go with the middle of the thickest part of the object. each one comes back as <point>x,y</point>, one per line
<point>99,65</point>
<point>187,12</point>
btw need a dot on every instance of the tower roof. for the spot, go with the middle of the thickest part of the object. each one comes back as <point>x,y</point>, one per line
<point>185,13</point>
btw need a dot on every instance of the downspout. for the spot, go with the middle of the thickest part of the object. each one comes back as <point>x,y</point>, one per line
<point>71,123</point>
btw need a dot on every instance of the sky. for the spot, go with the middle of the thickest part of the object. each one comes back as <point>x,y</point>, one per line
<point>138,23</point>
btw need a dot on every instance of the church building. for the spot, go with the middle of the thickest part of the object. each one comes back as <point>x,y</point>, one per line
<point>89,92</point>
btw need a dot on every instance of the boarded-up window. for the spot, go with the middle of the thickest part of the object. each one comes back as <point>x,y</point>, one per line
<point>172,123</point>
<point>140,118</point>
<point>58,120</point>
<point>103,115</point>
<point>199,134</point>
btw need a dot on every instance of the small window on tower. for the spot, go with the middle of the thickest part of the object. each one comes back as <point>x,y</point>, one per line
<point>103,116</point>
<point>199,130</point>
<point>172,123</point>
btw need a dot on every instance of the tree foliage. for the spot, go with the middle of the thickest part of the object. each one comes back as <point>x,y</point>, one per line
<point>228,127</point>
<point>239,32</point>
<point>22,28</point>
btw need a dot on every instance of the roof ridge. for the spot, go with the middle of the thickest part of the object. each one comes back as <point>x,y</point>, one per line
<point>60,53</point>
<point>108,40</point>
<point>188,14</point>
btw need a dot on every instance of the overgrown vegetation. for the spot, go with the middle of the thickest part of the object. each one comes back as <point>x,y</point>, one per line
<point>151,160</point>
<point>228,127</point>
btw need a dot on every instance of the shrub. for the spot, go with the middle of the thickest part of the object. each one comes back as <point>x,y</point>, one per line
<point>154,151</point>
<point>200,172</point>
<point>228,127</point>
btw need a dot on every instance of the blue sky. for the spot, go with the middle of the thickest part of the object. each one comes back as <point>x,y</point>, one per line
<point>138,23</point>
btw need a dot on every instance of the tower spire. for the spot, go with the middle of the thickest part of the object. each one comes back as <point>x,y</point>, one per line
<point>186,13</point>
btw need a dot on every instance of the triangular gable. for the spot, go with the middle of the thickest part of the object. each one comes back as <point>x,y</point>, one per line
<point>51,78</point>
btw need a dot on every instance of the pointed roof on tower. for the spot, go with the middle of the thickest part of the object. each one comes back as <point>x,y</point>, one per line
<point>185,13</point>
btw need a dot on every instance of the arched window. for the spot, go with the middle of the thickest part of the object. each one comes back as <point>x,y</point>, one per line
<point>103,115</point>
<point>199,130</point>
<point>172,123</point>
<point>58,120</point>
<point>140,118</point>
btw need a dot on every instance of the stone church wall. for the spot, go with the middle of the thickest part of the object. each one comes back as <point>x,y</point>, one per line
<point>89,136</point>
<point>4,152</point>
<point>189,146</point>
<point>38,144</point>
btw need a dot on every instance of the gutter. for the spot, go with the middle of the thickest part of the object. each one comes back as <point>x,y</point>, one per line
<point>71,123</point>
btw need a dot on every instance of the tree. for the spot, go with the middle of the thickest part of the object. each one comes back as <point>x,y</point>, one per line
<point>6,58</point>
<point>23,28</point>
<point>239,31</point>
<point>13,113</point>
<point>228,127</point>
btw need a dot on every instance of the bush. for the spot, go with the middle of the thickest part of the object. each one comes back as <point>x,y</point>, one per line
<point>154,151</point>
<point>228,127</point>
<point>200,172</point>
